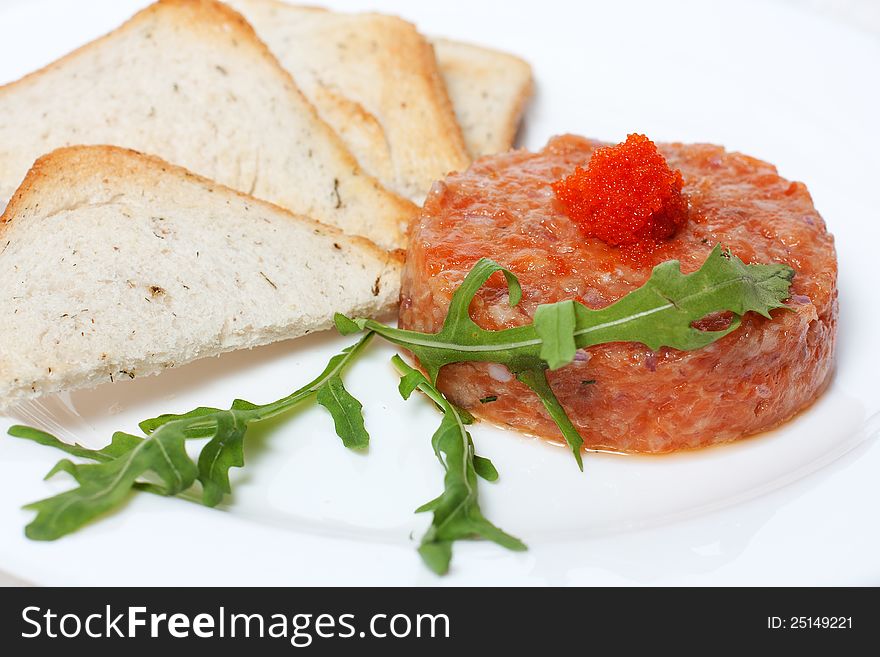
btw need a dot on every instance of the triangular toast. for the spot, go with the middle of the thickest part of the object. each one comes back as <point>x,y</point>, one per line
<point>115,264</point>
<point>189,81</point>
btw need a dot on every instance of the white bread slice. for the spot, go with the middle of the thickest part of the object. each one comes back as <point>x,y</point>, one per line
<point>189,81</point>
<point>374,79</point>
<point>489,90</point>
<point>115,264</point>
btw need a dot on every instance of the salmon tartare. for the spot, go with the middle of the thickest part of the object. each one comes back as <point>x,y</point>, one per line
<point>623,396</point>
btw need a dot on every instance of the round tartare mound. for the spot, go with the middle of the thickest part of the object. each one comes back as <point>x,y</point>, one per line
<point>623,396</point>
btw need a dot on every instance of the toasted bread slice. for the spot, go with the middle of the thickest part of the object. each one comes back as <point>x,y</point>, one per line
<point>189,81</point>
<point>115,264</point>
<point>489,90</point>
<point>363,72</point>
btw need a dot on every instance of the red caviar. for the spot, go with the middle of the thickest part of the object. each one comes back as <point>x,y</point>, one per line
<point>627,196</point>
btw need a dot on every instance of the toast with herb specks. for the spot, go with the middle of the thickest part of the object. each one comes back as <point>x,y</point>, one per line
<point>189,81</point>
<point>115,264</point>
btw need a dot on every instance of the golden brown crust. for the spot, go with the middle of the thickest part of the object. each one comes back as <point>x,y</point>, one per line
<point>454,62</point>
<point>425,63</point>
<point>421,134</point>
<point>431,71</point>
<point>202,13</point>
<point>519,107</point>
<point>217,19</point>
<point>105,160</point>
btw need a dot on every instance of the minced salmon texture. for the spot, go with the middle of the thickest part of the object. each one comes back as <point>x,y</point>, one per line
<point>623,396</point>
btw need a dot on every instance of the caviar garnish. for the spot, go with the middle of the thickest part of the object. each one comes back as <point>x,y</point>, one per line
<point>627,195</point>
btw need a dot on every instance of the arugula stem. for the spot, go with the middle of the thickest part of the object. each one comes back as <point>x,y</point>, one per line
<point>515,339</point>
<point>347,356</point>
<point>537,381</point>
<point>661,313</point>
<point>121,466</point>
<point>457,513</point>
<point>430,391</point>
<point>510,340</point>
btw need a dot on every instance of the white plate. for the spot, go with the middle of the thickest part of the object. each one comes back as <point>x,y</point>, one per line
<point>781,508</point>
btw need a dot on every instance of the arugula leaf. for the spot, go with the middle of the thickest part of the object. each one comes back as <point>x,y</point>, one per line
<point>457,512</point>
<point>119,444</point>
<point>346,412</point>
<point>226,429</point>
<point>555,324</point>
<point>536,379</point>
<point>120,466</point>
<point>485,468</point>
<point>659,314</point>
<point>103,486</point>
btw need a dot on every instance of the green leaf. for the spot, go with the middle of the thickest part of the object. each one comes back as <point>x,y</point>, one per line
<point>103,486</point>
<point>227,429</point>
<point>196,429</point>
<point>658,314</point>
<point>411,380</point>
<point>120,443</point>
<point>661,313</point>
<point>162,454</point>
<point>225,450</point>
<point>346,412</point>
<point>457,513</point>
<point>485,468</point>
<point>436,555</point>
<point>345,326</point>
<point>555,324</point>
<point>537,381</point>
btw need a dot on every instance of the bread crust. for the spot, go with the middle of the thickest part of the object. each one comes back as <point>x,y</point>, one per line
<point>454,63</point>
<point>203,14</point>
<point>216,19</point>
<point>104,159</point>
<point>406,96</point>
<point>81,232</point>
